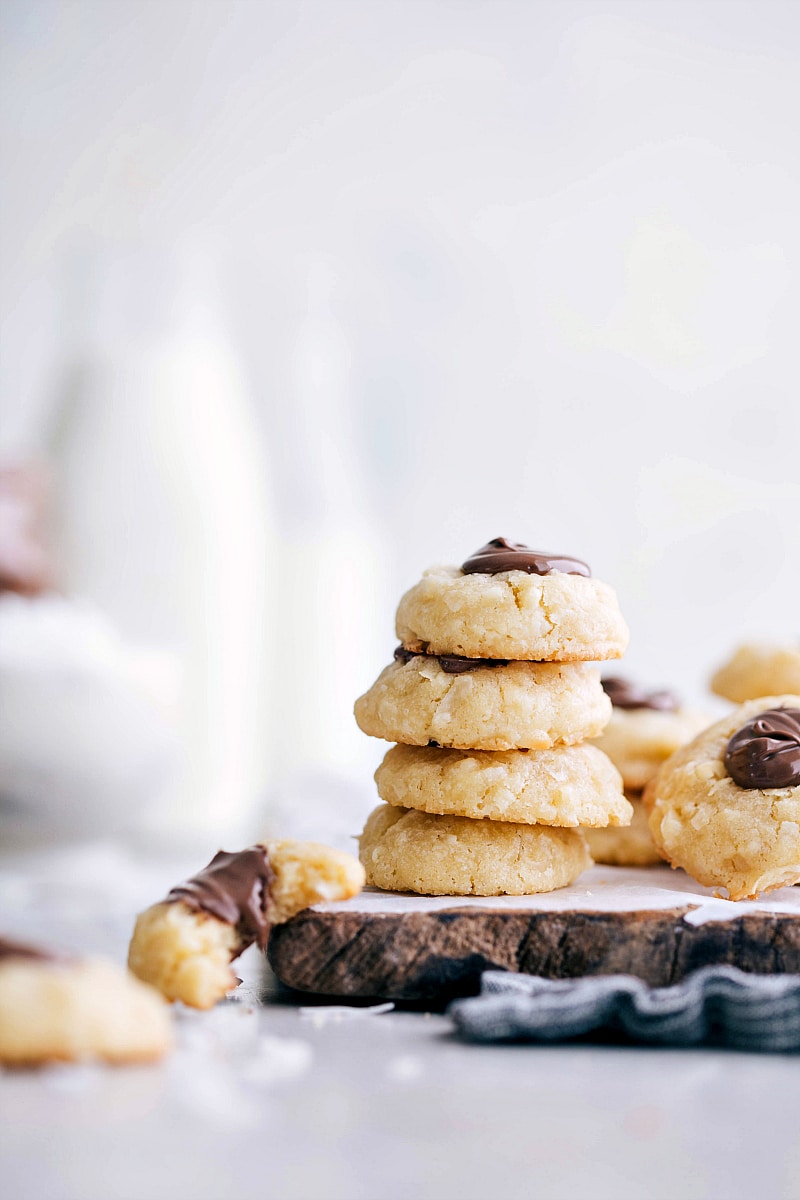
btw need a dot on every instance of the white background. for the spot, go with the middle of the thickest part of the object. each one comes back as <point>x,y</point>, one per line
<point>527,269</point>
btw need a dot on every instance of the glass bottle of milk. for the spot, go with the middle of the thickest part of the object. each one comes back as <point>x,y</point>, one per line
<point>164,519</point>
<point>334,623</point>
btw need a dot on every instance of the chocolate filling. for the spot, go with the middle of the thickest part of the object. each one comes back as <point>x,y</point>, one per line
<point>765,752</point>
<point>453,664</point>
<point>501,555</point>
<point>235,888</point>
<point>624,694</point>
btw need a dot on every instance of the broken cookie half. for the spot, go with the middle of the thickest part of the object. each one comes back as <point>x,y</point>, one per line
<point>184,946</point>
<point>58,1007</point>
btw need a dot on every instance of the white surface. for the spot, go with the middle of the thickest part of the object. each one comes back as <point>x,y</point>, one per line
<point>600,889</point>
<point>262,1098</point>
<point>392,1107</point>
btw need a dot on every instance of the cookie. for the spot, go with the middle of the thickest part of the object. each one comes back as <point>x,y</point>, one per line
<point>759,669</point>
<point>566,786</point>
<point>515,705</point>
<point>518,605</point>
<point>56,1008</point>
<point>184,945</point>
<point>625,845</point>
<point>726,806</point>
<point>645,728</point>
<point>407,851</point>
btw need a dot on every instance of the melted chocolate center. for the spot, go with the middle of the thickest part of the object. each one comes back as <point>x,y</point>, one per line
<point>765,752</point>
<point>453,664</point>
<point>236,889</point>
<point>624,694</point>
<point>501,555</point>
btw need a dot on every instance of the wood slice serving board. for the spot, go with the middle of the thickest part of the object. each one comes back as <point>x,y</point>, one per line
<point>650,922</point>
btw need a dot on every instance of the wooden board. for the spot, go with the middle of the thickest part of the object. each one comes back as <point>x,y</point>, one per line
<point>625,921</point>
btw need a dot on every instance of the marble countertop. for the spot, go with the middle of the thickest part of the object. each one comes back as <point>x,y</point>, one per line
<point>268,1097</point>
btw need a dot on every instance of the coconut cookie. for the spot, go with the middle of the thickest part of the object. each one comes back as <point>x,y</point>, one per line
<point>507,601</point>
<point>58,1008</point>
<point>759,669</point>
<point>645,728</point>
<point>407,851</point>
<point>625,845</point>
<point>566,786</point>
<point>463,703</point>
<point>184,946</point>
<point>726,807</point>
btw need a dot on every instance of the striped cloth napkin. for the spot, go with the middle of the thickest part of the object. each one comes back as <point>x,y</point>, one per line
<point>716,1005</point>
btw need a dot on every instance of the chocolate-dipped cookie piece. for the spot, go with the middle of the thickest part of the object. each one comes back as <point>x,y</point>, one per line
<point>184,945</point>
<point>235,888</point>
<point>60,1007</point>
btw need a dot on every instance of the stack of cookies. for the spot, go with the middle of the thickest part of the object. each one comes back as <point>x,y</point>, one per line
<point>646,727</point>
<point>491,700</point>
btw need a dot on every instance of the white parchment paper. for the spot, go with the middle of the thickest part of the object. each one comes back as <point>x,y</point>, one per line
<point>600,889</point>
